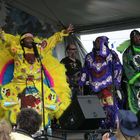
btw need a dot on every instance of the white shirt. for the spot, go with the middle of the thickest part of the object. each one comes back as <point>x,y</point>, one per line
<point>20,136</point>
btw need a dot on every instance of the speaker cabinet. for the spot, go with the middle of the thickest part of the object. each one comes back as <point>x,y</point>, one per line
<point>85,112</point>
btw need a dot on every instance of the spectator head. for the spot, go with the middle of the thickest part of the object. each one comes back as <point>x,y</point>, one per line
<point>135,37</point>
<point>128,123</point>
<point>71,50</point>
<point>29,120</point>
<point>5,130</point>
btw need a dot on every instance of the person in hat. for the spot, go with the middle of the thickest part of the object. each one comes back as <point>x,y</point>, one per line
<point>131,67</point>
<point>30,56</point>
<point>102,71</point>
<point>128,127</point>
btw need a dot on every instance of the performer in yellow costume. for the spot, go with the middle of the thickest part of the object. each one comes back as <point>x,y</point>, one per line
<point>25,90</point>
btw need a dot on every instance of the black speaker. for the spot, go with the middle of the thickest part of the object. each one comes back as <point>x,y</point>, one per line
<point>84,113</point>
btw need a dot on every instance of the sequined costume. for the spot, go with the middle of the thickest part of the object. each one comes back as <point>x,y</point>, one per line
<point>24,90</point>
<point>131,65</point>
<point>102,71</point>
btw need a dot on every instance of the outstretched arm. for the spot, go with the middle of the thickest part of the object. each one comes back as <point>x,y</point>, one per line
<point>8,41</point>
<point>58,37</point>
<point>5,37</point>
<point>69,29</point>
<point>2,35</point>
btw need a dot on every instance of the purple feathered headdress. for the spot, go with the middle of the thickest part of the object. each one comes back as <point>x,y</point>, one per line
<point>104,50</point>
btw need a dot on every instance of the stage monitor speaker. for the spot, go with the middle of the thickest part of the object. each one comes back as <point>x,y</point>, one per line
<point>84,113</point>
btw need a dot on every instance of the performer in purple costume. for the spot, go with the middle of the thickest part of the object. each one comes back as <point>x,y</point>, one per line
<point>102,71</point>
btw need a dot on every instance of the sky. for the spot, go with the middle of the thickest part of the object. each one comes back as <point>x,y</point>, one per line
<point>115,38</point>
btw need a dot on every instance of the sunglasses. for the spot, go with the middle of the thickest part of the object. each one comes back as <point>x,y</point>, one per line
<point>74,49</point>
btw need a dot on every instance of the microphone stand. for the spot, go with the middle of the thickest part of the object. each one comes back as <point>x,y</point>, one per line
<point>42,89</point>
<point>43,136</point>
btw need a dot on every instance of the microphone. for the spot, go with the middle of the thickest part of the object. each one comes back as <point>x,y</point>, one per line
<point>36,51</point>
